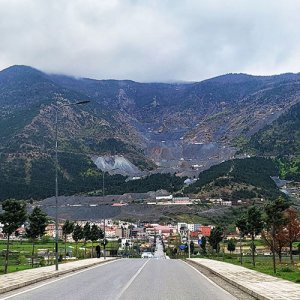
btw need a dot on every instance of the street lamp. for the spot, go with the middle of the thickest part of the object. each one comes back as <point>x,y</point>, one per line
<point>56,175</point>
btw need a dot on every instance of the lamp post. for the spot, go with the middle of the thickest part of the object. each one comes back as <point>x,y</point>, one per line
<point>56,176</point>
<point>189,243</point>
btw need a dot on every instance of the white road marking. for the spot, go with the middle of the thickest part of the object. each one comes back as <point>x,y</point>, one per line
<point>55,280</point>
<point>213,283</point>
<point>132,279</point>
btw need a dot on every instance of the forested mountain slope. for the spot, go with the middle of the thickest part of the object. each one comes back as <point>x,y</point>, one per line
<point>248,178</point>
<point>159,127</point>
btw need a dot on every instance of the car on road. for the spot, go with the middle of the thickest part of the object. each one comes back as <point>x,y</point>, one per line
<point>147,255</point>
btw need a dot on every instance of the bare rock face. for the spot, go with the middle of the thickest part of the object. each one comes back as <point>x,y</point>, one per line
<point>116,165</point>
<point>129,126</point>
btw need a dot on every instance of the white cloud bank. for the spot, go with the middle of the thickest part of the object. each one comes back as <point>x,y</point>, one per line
<point>151,40</point>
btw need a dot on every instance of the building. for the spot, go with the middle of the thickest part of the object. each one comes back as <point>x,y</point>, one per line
<point>205,230</point>
<point>51,230</point>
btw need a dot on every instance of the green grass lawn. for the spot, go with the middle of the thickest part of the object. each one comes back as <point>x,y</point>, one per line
<point>264,264</point>
<point>20,252</point>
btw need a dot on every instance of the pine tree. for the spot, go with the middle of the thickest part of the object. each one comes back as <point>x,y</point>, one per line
<point>67,228</point>
<point>38,221</point>
<point>77,235</point>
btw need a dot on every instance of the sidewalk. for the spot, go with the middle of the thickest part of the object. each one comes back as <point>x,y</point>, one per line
<point>257,284</point>
<point>11,281</point>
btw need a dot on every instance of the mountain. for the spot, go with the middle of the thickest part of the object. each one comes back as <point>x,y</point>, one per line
<point>281,139</point>
<point>156,127</point>
<point>29,100</point>
<point>199,122</point>
<point>237,179</point>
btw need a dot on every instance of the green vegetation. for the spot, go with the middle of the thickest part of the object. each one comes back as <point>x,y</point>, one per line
<point>34,179</point>
<point>21,252</point>
<point>264,264</point>
<point>238,179</point>
<point>281,138</point>
<point>38,221</point>
<point>12,218</point>
<point>251,223</point>
<point>187,218</point>
<point>289,167</point>
<point>153,182</point>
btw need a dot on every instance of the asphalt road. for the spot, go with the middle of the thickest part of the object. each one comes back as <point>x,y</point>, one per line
<point>128,279</point>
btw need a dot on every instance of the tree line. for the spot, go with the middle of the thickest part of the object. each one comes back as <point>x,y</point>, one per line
<point>277,222</point>
<point>15,215</point>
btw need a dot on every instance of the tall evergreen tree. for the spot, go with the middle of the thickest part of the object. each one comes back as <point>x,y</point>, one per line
<point>95,234</point>
<point>38,221</point>
<point>231,246</point>
<point>241,224</point>
<point>254,226</point>
<point>86,235</point>
<point>12,218</point>
<point>67,228</point>
<point>215,238</point>
<point>203,244</point>
<point>77,235</point>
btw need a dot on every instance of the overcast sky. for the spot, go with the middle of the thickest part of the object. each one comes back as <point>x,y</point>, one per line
<point>151,40</point>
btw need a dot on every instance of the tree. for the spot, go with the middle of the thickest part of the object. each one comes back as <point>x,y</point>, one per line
<point>77,235</point>
<point>12,218</point>
<point>231,246</point>
<point>241,224</point>
<point>192,247</point>
<point>215,238</point>
<point>38,221</point>
<point>203,244</point>
<point>95,234</point>
<point>254,227</point>
<point>292,229</point>
<point>86,235</point>
<point>279,242</point>
<point>274,220</point>
<point>67,228</point>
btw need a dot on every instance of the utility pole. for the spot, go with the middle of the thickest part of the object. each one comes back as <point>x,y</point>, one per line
<point>189,243</point>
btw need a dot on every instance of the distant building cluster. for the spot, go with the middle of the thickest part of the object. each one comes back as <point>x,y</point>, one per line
<point>125,230</point>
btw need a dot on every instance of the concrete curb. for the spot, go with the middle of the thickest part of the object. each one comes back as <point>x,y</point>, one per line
<point>49,276</point>
<point>239,286</point>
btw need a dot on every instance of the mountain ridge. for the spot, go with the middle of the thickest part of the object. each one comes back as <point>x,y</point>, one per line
<point>181,128</point>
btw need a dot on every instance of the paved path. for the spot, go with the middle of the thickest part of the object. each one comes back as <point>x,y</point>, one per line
<point>259,285</point>
<point>11,281</point>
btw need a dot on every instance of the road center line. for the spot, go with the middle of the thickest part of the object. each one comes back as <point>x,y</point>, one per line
<point>132,279</point>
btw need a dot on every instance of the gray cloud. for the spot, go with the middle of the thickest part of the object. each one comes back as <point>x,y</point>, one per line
<point>151,40</point>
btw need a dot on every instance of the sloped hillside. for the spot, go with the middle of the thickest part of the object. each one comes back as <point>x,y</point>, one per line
<point>158,127</point>
<point>281,139</point>
<point>28,101</point>
<point>247,178</point>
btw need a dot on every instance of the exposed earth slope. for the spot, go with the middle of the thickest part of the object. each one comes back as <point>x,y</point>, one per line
<point>156,127</point>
